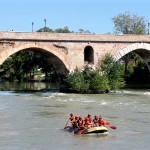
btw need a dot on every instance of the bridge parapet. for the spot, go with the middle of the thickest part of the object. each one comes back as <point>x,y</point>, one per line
<point>72,37</point>
<point>67,50</point>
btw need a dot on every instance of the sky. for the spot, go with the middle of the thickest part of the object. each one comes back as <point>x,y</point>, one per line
<point>93,15</point>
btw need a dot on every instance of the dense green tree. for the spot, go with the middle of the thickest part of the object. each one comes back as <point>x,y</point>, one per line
<point>62,30</point>
<point>84,31</point>
<point>127,58</point>
<point>99,82</point>
<point>75,81</point>
<point>13,68</point>
<point>140,74</point>
<point>113,71</point>
<point>107,76</point>
<point>23,64</point>
<point>7,72</point>
<point>127,23</point>
<point>45,29</point>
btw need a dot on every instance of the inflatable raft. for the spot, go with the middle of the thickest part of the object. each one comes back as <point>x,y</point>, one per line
<point>97,130</point>
<point>101,130</point>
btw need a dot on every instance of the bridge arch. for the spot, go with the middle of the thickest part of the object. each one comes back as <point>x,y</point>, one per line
<point>48,51</point>
<point>143,49</point>
<point>88,55</point>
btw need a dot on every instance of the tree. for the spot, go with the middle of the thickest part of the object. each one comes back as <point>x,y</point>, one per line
<point>139,75</point>
<point>113,71</point>
<point>23,64</point>
<point>107,77</point>
<point>45,29</point>
<point>127,58</point>
<point>76,81</point>
<point>127,23</point>
<point>84,31</point>
<point>62,30</point>
<point>99,82</point>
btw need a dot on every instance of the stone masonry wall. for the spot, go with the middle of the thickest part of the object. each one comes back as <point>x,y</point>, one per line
<point>69,48</point>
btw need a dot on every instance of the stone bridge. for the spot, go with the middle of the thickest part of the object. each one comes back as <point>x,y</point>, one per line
<point>69,50</point>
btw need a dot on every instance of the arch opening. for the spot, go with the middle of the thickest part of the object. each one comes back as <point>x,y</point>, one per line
<point>136,66</point>
<point>88,55</point>
<point>21,62</point>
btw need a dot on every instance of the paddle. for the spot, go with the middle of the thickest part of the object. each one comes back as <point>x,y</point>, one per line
<point>113,127</point>
<point>66,127</point>
<point>66,124</point>
<point>107,123</point>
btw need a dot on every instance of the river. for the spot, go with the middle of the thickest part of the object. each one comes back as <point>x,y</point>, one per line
<point>35,121</point>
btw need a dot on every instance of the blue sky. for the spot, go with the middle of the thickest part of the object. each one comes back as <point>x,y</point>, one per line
<point>93,15</point>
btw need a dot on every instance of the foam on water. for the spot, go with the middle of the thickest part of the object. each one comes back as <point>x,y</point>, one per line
<point>137,92</point>
<point>104,103</point>
<point>146,93</point>
<point>12,93</point>
<point>7,93</point>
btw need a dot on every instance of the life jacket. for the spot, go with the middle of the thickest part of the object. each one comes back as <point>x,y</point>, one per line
<point>90,120</point>
<point>80,123</point>
<point>72,118</point>
<point>101,122</point>
<point>74,122</point>
<point>95,121</point>
<point>87,123</point>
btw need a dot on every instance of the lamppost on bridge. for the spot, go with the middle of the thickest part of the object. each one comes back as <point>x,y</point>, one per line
<point>148,27</point>
<point>32,26</point>
<point>45,25</point>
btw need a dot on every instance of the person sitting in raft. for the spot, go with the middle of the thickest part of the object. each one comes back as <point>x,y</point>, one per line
<point>95,121</point>
<point>101,121</point>
<point>72,117</point>
<point>90,119</point>
<point>80,123</point>
<point>87,123</point>
<point>74,122</point>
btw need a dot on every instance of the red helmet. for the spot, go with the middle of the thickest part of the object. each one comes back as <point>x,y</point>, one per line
<point>95,117</point>
<point>80,117</point>
<point>76,117</point>
<point>100,117</point>
<point>89,115</point>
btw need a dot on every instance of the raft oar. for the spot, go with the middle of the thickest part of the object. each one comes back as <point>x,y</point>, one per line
<point>66,127</point>
<point>107,123</point>
<point>113,127</point>
<point>66,124</point>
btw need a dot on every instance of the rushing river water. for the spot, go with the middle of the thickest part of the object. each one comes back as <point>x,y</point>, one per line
<point>35,121</point>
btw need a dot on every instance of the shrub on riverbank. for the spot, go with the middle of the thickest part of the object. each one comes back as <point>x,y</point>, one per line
<point>76,81</point>
<point>114,71</point>
<point>107,76</point>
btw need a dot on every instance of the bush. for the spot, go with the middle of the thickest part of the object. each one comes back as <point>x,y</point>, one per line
<point>76,81</point>
<point>113,71</point>
<point>107,76</point>
<point>99,82</point>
